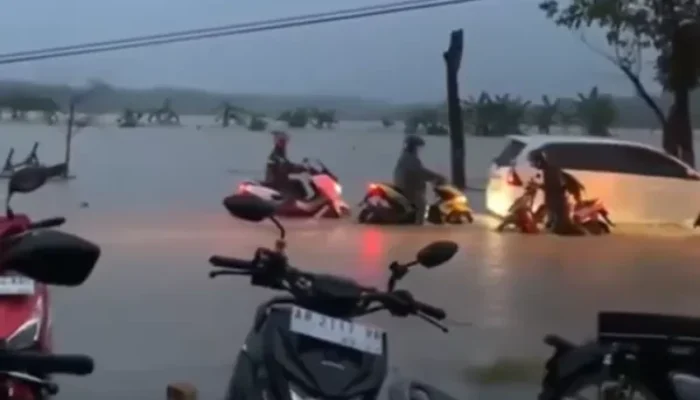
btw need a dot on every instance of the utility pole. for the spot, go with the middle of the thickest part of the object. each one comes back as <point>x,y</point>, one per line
<point>453,61</point>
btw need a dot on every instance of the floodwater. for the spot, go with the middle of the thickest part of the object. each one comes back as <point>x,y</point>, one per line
<point>150,315</point>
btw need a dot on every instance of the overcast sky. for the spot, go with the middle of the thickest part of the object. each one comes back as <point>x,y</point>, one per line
<point>509,47</point>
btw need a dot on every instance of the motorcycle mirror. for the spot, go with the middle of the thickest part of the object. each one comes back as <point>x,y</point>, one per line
<point>437,253</point>
<point>51,257</point>
<point>249,208</point>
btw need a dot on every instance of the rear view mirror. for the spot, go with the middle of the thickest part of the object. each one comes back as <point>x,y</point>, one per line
<point>28,179</point>
<point>51,257</point>
<point>249,208</point>
<point>437,253</point>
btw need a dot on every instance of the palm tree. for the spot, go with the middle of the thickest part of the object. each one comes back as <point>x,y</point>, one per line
<point>596,112</point>
<point>545,114</point>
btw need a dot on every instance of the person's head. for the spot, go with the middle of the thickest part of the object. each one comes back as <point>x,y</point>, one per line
<point>538,159</point>
<point>281,138</point>
<point>412,143</point>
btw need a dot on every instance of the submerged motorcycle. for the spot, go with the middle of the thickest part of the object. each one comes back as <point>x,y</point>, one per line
<point>24,302</point>
<point>385,204</point>
<point>652,355</point>
<point>316,193</point>
<point>307,344</point>
<point>590,216</point>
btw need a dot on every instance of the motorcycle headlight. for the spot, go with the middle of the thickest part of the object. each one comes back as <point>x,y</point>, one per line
<point>25,336</point>
<point>338,188</point>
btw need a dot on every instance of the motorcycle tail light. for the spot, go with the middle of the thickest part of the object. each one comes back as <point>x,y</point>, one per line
<point>513,179</point>
<point>243,188</point>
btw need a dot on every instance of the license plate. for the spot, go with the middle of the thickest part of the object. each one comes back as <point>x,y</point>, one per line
<point>16,285</point>
<point>363,338</point>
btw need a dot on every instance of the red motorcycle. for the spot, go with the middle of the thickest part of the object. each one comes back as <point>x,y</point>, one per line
<point>521,214</point>
<point>24,304</point>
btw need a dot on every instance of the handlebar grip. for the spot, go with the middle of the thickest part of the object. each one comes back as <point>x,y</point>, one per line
<point>431,311</point>
<point>46,363</point>
<point>230,262</point>
<point>47,223</point>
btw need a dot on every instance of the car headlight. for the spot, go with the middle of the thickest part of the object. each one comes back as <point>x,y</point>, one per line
<point>461,199</point>
<point>25,336</point>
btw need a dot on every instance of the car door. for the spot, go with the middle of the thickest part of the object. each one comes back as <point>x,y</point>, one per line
<point>671,188</point>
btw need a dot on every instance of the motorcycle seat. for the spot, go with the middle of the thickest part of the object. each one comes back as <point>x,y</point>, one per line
<point>616,326</point>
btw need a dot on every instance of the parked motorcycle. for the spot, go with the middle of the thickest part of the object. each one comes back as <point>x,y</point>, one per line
<point>24,302</point>
<point>307,345</point>
<point>654,355</point>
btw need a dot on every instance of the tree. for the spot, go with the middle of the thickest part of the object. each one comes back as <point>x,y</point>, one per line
<point>671,28</point>
<point>596,112</point>
<point>545,114</point>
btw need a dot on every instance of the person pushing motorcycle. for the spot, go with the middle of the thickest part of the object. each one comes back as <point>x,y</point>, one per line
<point>411,177</point>
<point>556,184</point>
<point>278,165</point>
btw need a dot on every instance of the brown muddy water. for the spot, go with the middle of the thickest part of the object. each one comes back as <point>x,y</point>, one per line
<point>150,315</point>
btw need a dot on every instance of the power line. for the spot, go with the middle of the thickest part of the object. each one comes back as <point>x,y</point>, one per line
<point>240,29</point>
<point>215,29</point>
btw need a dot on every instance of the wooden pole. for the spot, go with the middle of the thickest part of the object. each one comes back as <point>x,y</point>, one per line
<point>453,61</point>
<point>69,137</point>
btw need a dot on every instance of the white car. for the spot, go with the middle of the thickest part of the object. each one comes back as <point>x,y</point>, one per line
<point>637,183</point>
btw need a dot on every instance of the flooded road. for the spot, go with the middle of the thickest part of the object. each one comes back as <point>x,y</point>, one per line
<point>150,315</point>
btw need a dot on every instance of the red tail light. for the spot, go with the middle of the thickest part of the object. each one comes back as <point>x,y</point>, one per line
<point>513,179</point>
<point>243,187</point>
<point>372,187</point>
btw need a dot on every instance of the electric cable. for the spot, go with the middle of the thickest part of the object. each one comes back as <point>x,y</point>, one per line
<point>182,36</point>
<point>213,29</point>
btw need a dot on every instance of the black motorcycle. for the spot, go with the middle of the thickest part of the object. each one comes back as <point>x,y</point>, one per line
<point>307,344</point>
<point>656,356</point>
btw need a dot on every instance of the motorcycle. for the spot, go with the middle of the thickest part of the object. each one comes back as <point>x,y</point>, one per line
<point>589,216</point>
<point>316,193</point>
<point>385,204</point>
<point>308,344</point>
<point>651,354</point>
<point>24,302</point>
<point>521,214</point>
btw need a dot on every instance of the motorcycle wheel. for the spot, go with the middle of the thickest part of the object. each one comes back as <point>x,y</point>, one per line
<point>595,227</point>
<point>588,384</point>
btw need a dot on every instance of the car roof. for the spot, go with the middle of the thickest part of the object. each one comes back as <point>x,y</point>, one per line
<point>540,140</point>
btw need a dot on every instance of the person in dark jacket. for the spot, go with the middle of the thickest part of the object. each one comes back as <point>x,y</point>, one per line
<point>555,186</point>
<point>411,177</point>
<point>278,165</point>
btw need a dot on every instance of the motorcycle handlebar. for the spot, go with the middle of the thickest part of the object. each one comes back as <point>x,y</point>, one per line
<point>47,223</point>
<point>46,363</point>
<point>245,267</point>
<point>230,262</point>
<point>431,311</point>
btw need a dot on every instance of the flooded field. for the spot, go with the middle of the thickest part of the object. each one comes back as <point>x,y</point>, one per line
<point>150,315</point>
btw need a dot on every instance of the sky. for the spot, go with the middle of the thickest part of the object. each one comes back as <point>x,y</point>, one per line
<point>510,47</point>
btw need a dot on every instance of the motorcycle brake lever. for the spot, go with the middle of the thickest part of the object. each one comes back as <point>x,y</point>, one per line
<point>431,321</point>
